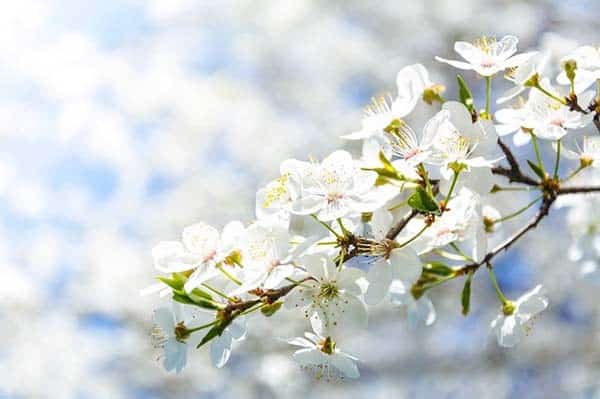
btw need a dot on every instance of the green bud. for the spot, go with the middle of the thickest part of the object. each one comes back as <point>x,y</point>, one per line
<point>270,309</point>
<point>570,66</point>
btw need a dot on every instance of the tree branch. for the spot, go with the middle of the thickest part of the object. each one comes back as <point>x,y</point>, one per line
<point>514,173</point>
<point>543,212</point>
<point>398,227</point>
<point>578,190</point>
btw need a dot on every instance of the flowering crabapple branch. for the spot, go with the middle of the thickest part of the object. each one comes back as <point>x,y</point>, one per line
<point>415,210</point>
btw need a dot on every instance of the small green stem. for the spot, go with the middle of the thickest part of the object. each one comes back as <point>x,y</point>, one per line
<point>405,243</point>
<point>538,155</point>
<point>216,291</point>
<point>345,231</point>
<point>328,227</point>
<point>400,205</point>
<point>202,327</point>
<point>488,96</point>
<point>452,185</point>
<point>557,162</point>
<point>552,96</point>
<point>229,276</point>
<point>496,286</point>
<point>327,243</point>
<point>518,212</point>
<point>252,309</point>
<point>498,189</point>
<point>574,173</point>
<point>460,252</point>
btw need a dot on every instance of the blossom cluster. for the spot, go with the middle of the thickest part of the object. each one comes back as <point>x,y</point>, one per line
<point>336,236</point>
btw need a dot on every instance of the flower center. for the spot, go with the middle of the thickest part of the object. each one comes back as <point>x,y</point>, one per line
<point>328,290</point>
<point>327,346</point>
<point>334,197</point>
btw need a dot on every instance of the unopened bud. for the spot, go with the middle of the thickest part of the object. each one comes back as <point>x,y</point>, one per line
<point>570,66</point>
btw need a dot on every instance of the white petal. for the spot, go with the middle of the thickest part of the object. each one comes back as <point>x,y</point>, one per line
<point>300,341</point>
<point>306,357</point>
<point>199,276</point>
<point>406,265</point>
<point>380,278</point>
<point>347,280</point>
<point>345,365</point>
<point>531,303</point>
<point>163,317</point>
<point>509,332</point>
<point>307,205</point>
<point>425,310</point>
<point>220,349</point>
<point>201,239</point>
<point>456,64</point>
<point>175,355</point>
<point>468,51</point>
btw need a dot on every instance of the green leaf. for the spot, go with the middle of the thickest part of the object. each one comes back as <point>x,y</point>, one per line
<point>214,332</point>
<point>464,93</point>
<point>198,294</point>
<point>422,201</point>
<point>173,283</point>
<point>270,309</point>
<point>196,301</point>
<point>438,268</point>
<point>466,295</point>
<point>538,171</point>
<point>183,299</point>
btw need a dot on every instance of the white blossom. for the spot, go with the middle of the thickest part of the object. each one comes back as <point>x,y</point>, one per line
<point>588,68</point>
<point>460,141</point>
<point>337,187</point>
<point>411,81</point>
<point>488,56</point>
<point>515,317</point>
<point>588,153</point>
<point>334,295</point>
<point>320,356</point>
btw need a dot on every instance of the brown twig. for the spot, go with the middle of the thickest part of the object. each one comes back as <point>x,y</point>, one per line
<point>398,227</point>
<point>579,190</point>
<point>543,212</point>
<point>514,173</point>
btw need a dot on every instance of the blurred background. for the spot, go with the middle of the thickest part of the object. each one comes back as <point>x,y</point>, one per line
<point>121,122</point>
